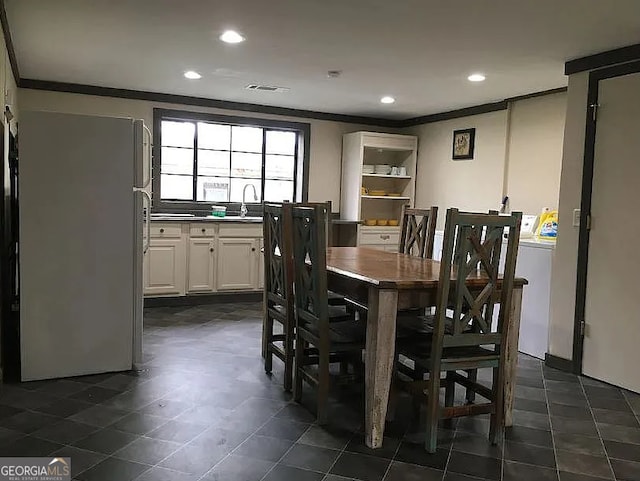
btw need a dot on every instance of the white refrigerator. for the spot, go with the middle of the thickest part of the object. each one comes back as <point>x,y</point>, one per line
<point>84,214</point>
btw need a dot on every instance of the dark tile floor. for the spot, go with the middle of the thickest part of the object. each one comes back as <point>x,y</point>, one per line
<point>203,409</point>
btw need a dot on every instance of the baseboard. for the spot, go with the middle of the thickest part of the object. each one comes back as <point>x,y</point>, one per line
<point>195,300</point>
<point>559,363</point>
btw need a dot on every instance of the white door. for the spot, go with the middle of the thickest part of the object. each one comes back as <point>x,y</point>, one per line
<point>236,264</point>
<point>201,265</point>
<point>164,267</point>
<point>611,345</point>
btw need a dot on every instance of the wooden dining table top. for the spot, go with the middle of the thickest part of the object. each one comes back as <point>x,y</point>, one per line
<point>390,270</point>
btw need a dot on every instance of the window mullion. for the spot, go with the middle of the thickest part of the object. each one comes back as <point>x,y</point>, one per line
<point>264,162</point>
<point>195,163</point>
<point>230,164</point>
<point>295,168</point>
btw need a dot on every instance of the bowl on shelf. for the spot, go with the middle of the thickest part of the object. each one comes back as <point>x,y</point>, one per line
<point>383,222</point>
<point>393,222</point>
<point>377,193</point>
<point>370,222</point>
<point>364,190</point>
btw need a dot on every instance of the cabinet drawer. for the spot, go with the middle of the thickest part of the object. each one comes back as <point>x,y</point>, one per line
<point>380,237</point>
<point>166,230</point>
<point>240,230</point>
<point>203,230</point>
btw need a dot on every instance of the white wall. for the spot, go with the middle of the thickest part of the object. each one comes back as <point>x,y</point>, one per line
<point>467,184</point>
<point>563,277</point>
<point>517,153</point>
<point>326,136</point>
<point>535,140</point>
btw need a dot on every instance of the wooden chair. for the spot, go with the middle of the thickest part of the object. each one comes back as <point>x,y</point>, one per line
<point>319,341</point>
<point>418,232</point>
<point>278,290</point>
<point>417,239</point>
<point>469,287</point>
<point>334,299</point>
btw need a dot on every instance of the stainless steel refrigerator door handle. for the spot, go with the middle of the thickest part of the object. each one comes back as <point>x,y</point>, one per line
<point>147,179</point>
<point>145,246</point>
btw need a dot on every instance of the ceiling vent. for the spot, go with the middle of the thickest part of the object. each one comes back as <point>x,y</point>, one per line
<point>266,88</point>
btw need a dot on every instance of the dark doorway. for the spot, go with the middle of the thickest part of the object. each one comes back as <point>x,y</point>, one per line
<point>9,316</point>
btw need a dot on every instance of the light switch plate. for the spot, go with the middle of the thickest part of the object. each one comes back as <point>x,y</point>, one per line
<point>576,217</point>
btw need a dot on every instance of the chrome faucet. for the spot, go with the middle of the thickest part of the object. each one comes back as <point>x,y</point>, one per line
<point>243,207</point>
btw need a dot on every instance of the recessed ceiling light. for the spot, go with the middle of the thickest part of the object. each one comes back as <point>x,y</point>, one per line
<point>231,36</point>
<point>387,100</point>
<point>192,75</point>
<point>476,77</point>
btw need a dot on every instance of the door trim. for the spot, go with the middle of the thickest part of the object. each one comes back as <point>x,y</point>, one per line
<point>595,77</point>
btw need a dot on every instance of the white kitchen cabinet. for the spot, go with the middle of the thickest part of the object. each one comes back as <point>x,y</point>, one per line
<point>164,272</point>
<point>377,196</point>
<point>382,238</point>
<point>238,259</point>
<point>260,279</point>
<point>203,258</point>
<point>201,264</point>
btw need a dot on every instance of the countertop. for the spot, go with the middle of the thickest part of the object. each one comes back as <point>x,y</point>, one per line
<point>524,242</point>
<point>537,243</point>
<point>172,218</point>
<point>231,218</point>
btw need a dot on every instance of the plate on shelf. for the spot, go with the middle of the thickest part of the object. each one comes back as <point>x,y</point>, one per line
<point>377,192</point>
<point>384,169</point>
<point>393,194</point>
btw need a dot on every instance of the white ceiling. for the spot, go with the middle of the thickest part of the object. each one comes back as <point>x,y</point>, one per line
<point>419,51</point>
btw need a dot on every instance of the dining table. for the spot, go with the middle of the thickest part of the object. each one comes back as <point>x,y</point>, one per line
<point>386,282</point>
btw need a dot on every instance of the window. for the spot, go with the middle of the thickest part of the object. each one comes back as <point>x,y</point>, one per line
<point>205,159</point>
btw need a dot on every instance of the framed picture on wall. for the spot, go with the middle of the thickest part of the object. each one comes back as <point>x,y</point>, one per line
<point>463,144</point>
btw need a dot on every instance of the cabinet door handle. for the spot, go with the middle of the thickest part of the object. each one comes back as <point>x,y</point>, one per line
<point>211,249</point>
<point>204,230</point>
<point>253,249</point>
<point>161,231</point>
<point>384,237</point>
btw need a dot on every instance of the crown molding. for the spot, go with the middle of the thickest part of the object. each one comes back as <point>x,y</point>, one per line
<point>603,59</point>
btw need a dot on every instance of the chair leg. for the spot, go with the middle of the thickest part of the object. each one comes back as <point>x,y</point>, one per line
<point>299,366</point>
<point>323,386</point>
<point>266,332</point>
<point>289,353</point>
<point>267,339</point>
<point>450,390</point>
<point>433,412</point>
<point>472,375</point>
<point>496,427</point>
<point>449,395</point>
<point>418,375</point>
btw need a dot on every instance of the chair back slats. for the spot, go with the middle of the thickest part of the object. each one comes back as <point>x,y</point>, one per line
<point>327,207</point>
<point>310,266</point>
<point>278,260</point>
<point>418,232</point>
<point>471,251</point>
